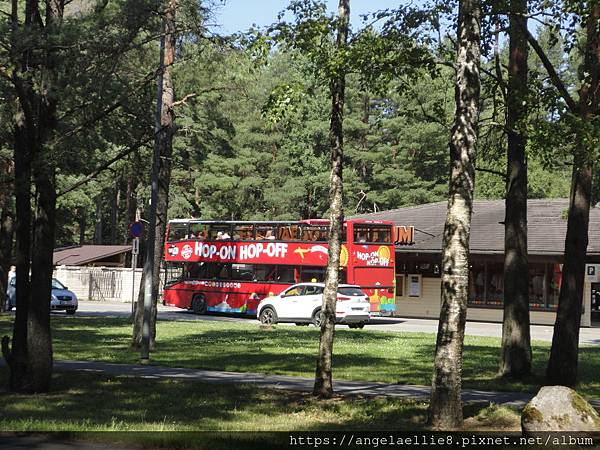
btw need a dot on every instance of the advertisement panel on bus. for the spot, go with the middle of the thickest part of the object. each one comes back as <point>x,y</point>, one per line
<point>294,253</point>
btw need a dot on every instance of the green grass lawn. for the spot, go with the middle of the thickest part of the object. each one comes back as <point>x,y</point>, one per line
<point>404,358</point>
<point>97,402</point>
<point>85,406</point>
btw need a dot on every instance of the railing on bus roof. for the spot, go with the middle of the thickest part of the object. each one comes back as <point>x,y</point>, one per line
<point>313,230</point>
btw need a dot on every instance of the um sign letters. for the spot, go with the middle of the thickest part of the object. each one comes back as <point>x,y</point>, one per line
<point>404,235</point>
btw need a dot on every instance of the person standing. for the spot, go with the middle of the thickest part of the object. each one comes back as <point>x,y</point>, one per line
<point>12,273</point>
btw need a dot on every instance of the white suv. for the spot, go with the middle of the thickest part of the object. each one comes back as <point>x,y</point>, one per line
<point>301,304</point>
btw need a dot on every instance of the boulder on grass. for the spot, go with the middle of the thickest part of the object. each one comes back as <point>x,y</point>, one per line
<point>556,409</point>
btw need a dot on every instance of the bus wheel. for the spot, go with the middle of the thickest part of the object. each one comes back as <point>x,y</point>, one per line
<point>268,316</point>
<point>317,318</point>
<point>199,304</point>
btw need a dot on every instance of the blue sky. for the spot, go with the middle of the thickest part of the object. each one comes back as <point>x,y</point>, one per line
<point>239,15</point>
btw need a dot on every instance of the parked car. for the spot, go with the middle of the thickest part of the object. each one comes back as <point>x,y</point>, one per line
<point>62,299</point>
<point>301,304</point>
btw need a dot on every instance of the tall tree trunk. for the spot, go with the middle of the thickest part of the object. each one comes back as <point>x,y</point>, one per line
<point>446,405</point>
<point>82,220</point>
<point>323,380</point>
<point>516,340</point>
<point>98,231</point>
<point>130,205</point>
<point>24,143</point>
<point>562,366</point>
<point>114,212</point>
<point>165,143</point>
<point>30,358</point>
<point>39,341</point>
<point>16,355</point>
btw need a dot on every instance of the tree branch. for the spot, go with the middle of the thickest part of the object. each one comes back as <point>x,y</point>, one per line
<point>106,165</point>
<point>91,121</point>
<point>556,81</point>
<point>493,172</point>
<point>184,100</point>
<point>492,75</point>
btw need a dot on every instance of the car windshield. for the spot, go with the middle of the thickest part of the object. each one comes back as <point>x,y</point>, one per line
<point>351,291</point>
<point>57,284</point>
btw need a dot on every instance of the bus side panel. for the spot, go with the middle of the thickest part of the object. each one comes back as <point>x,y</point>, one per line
<point>179,295</point>
<point>379,284</point>
<point>221,296</point>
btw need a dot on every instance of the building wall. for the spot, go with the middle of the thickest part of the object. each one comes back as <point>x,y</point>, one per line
<point>428,306</point>
<point>109,284</point>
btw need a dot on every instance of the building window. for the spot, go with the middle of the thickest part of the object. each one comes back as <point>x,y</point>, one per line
<point>421,267</point>
<point>495,285</point>
<point>537,286</point>
<point>399,285</point>
<point>486,285</point>
<point>414,285</point>
<point>555,280</point>
<point>477,284</point>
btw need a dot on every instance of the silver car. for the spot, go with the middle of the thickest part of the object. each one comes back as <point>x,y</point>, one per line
<point>62,299</point>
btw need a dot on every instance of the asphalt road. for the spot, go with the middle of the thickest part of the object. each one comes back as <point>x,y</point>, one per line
<point>588,336</point>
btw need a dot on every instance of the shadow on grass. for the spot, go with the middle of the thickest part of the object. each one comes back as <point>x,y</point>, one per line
<point>96,402</point>
<point>404,358</point>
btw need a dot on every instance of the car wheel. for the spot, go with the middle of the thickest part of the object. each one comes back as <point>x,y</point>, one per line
<point>301,324</point>
<point>359,325</point>
<point>268,316</point>
<point>71,311</point>
<point>317,318</point>
<point>199,304</point>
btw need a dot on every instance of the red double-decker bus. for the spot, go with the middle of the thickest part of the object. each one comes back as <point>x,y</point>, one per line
<point>229,266</point>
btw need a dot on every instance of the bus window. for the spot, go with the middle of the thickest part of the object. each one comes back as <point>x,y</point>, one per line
<point>209,270</point>
<point>224,272</point>
<point>173,273</point>
<point>372,234</point>
<point>243,232</point>
<point>312,273</point>
<point>285,274</point>
<point>242,272</point>
<point>361,234</point>
<point>191,271</point>
<point>263,272</point>
<point>382,235</point>
<point>177,231</point>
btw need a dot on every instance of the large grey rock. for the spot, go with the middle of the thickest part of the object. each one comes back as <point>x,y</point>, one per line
<point>559,408</point>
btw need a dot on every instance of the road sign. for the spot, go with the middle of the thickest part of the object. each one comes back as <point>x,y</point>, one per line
<point>135,250</point>
<point>592,273</point>
<point>136,229</point>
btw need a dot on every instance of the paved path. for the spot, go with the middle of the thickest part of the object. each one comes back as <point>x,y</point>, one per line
<point>291,383</point>
<point>50,441</point>
<point>588,336</point>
